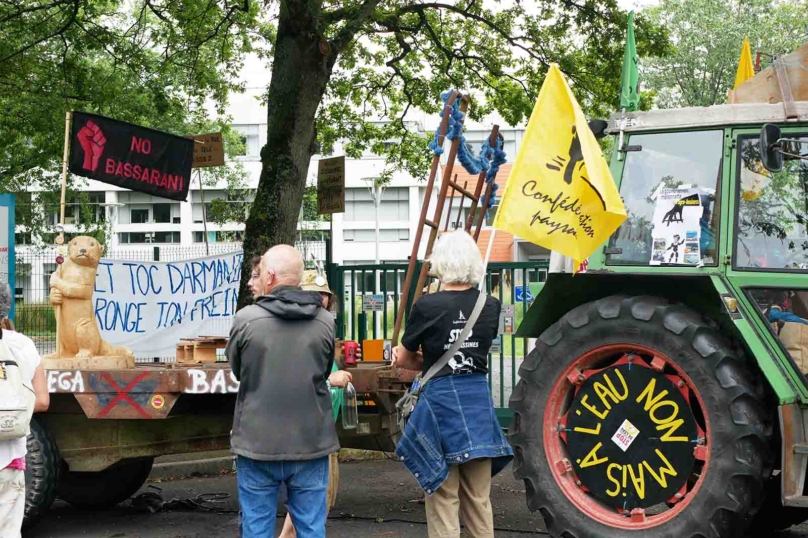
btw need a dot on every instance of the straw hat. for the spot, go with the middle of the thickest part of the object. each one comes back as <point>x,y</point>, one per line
<point>314,281</point>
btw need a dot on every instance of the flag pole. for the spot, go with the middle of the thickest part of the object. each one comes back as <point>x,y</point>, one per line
<point>60,240</point>
<point>620,140</point>
<point>68,117</point>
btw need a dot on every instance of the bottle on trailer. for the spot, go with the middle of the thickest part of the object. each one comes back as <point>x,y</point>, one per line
<point>350,412</point>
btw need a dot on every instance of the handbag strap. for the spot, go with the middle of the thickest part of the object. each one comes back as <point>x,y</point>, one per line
<point>444,360</point>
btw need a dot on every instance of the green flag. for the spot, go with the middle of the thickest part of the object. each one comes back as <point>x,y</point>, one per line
<point>629,97</point>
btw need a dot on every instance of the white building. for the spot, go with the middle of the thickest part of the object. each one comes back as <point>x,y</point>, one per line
<point>145,227</point>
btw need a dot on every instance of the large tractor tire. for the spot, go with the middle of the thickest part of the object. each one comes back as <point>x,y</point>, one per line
<point>42,466</point>
<point>107,488</point>
<point>633,415</point>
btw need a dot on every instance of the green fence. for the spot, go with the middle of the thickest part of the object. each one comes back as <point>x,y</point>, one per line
<point>512,283</point>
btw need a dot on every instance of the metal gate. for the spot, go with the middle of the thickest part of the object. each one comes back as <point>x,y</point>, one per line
<point>509,282</point>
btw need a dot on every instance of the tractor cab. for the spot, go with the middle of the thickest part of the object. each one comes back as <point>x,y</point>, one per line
<point>666,393</point>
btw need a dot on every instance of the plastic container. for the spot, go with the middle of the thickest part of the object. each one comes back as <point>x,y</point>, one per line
<point>350,411</point>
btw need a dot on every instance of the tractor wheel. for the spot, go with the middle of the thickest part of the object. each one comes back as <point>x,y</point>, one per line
<point>634,415</point>
<point>105,489</point>
<point>42,467</point>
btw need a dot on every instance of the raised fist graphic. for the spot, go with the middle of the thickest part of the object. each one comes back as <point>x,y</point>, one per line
<point>92,141</point>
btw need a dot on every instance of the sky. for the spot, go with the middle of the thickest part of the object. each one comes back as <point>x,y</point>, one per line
<point>636,4</point>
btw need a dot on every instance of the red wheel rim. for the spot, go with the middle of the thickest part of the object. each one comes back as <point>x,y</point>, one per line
<point>554,438</point>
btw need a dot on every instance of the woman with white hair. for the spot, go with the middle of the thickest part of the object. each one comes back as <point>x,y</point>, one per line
<point>12,452</point>
<point>453,443</point>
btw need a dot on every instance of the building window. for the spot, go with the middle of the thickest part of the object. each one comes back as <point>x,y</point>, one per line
<point>369,236</point>
<point>491,213</point>
<point>149,237</point>
<point>395,205</point>
<point>96,207</point>
<point>22,238</point>
<point>166,237</point>
<point>250,138</point>
<point>219,237</point>
<point>139,216</point>
<point>162,213</point>
<point>134,237</point>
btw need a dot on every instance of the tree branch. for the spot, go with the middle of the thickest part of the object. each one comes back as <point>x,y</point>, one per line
<point>354,24</point>
<point>68,23</point>
<point>25,11</point>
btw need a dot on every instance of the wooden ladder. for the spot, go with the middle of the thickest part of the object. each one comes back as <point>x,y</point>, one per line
<point>474,222</point>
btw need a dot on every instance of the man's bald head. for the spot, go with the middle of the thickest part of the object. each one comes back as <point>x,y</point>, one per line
<point>281,265</point>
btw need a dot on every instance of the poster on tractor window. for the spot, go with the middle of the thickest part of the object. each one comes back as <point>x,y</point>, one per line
<point>676,233</point>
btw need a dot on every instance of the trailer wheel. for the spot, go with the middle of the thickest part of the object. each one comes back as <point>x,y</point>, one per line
<point>634,415</point>
<point>105,489</point>
<point>42,467</point>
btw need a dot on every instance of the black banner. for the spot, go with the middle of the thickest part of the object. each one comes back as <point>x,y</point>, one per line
<point>130,156</point>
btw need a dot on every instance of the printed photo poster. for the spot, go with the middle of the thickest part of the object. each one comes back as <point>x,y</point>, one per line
<point>677,231</point>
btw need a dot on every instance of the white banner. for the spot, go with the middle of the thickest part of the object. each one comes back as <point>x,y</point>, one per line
<point>149,306</point>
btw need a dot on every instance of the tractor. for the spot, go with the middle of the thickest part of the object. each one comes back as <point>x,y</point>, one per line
<point>666,394</point>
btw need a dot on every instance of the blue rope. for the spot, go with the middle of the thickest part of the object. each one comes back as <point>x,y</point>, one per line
<point>490,158</point>
<point>499,159</point>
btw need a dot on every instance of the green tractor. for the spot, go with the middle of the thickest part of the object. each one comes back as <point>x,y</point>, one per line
<point>666,394</point>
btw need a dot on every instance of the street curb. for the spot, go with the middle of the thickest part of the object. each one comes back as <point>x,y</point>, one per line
<point>227,464</point>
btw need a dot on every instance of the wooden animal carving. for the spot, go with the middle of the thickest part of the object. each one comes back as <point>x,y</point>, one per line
<point>71,292</point>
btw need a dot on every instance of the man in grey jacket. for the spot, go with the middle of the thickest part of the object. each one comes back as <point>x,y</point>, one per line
<point>281,349</point>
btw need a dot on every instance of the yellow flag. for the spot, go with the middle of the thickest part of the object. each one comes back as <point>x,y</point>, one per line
<point>746,69</point>
<point>560,193</point>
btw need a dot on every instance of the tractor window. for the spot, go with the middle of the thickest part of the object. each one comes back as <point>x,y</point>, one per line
<point>771,228</point>
<point>668,161</point>
<point>786,311</point>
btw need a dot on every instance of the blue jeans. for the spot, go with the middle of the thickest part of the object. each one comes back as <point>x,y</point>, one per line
<point>306,483</point>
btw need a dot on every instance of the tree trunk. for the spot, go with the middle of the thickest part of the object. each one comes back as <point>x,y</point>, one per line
<point>300,74</point>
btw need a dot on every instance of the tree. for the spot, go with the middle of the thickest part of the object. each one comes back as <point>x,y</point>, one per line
<point>337,66</point>
<point>341,70</point>
<point>117,58</point>
<point>707,37</point>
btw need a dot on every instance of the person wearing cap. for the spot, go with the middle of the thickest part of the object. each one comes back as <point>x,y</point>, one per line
<point>313,281</point>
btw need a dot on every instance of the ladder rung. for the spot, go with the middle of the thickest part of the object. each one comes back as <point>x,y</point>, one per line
<point>466,193</point>
<point>430,224</point>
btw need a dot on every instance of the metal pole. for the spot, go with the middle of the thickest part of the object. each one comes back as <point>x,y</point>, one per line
<point>377,200</point>
<point>204,212</point>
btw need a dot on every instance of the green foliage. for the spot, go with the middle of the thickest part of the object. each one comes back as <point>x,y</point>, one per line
<point>404,54</point>
<point>707,37</point>
<point>147,62</point>
<point>156,62</point>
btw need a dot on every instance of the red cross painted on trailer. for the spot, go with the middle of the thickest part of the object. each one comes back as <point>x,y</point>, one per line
<point>123,395</point>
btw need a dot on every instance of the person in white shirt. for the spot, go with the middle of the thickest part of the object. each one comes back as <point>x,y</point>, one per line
<point>12,453</point>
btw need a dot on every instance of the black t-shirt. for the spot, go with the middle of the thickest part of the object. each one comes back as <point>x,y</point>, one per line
<point>437,320</point>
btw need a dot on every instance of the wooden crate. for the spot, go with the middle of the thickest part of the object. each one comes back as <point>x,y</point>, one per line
<point>199,350</point>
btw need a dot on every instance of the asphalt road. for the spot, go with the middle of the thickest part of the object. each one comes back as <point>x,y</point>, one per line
<point>376,499</point>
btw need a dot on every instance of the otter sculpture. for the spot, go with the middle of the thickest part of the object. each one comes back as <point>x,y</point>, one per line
<point>71,292</point>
